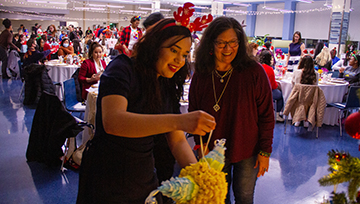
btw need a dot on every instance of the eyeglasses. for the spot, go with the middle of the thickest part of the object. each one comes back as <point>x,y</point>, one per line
<point>222,44</point>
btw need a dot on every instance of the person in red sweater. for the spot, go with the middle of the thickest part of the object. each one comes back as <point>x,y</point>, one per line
<point>266,59</point>
<point>92,68</point>
<point>232,87</point>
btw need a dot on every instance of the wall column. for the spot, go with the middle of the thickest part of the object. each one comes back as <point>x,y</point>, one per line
<point>155,6</point>
<point>251,20</point>
<point>217,9</point>
<point>289,20</point>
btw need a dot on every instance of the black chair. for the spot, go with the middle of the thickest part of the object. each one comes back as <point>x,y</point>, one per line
<point>335,74</point>
<point>352,102</point>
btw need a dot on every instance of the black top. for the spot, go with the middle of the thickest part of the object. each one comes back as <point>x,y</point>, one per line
<point>119,169</point>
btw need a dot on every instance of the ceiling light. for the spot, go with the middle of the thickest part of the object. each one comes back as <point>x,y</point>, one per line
<point>271,9</point>
<point>57,2</point>
<point>306,1</point>
<point>113,6</point>
<point>245,5</point>
<point>96,5</point>
<point>150,9</point>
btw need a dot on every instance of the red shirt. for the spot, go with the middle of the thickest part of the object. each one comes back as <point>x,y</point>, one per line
<point>271,75</point>
<point>246,117</point>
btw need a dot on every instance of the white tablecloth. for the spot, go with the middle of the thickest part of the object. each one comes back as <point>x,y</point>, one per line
<point>333,93</point>
<point>60,73</point>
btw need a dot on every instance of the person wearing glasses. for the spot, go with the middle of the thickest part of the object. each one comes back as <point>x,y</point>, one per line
<point>351,73</point>
<point>138,103</point>
<point>130,35</point>
<point>231,86</point>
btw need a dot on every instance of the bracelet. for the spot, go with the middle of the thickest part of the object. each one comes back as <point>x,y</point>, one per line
<point>196,147</point>
<point>264,154</point>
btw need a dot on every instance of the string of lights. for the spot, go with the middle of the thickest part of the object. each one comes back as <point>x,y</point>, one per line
<point>227,12</point>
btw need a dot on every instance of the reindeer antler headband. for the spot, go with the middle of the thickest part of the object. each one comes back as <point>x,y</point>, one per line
<point>182,18</point>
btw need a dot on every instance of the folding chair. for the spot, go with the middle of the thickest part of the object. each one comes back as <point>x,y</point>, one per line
<point>70,144</point>
<point>70,100</point>
<point>298,101</point>
<point>352,102</point>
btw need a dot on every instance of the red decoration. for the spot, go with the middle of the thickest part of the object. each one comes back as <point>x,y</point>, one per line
<point>198,24</point>
<point>337,157</point>
<point>305,51</point>
<point>183,14</point>
<point>312,52</point>
<point>186,11</point>
<point>352,125</point>
<point>272,48</point>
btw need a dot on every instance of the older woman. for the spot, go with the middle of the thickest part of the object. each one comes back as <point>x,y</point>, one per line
<point>231,86</point>
<point>137,102</point>
<point>92,68</point>
<point>65,48</point>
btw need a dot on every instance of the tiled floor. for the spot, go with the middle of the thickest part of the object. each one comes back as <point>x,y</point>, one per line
<point>297,162</point>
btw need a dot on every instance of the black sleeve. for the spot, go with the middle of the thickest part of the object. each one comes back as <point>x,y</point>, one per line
<point>117,77</point>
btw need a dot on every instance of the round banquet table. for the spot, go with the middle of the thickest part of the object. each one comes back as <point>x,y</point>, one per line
<point>334,93</point>
<point>60,73</point>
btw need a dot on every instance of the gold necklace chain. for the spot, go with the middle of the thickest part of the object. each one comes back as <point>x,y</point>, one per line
<point>216,107</point>
<point>222,77</point>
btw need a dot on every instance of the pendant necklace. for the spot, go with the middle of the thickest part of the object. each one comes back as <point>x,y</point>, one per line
<point>222,76</point>
<point>216,107</point>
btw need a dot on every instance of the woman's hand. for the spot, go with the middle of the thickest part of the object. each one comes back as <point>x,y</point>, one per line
<point>197,122</point>
<point>263,163</point>
<point>342,69</point>
<point>94,78</point>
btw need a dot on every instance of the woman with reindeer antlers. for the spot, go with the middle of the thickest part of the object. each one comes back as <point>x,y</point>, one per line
<point>138,101</point>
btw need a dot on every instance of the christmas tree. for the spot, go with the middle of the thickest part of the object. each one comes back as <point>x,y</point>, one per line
<point>343,168</point>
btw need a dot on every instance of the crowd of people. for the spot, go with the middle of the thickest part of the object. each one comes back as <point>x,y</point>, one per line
<point>139,127</point>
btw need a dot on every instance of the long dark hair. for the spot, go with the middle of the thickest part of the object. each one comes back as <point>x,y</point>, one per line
<point>92,48</point>
<point>265,57</point>
<point>308,75</point>
<point>299,34</point>
<point>205,60</point>
<point>146,54</point>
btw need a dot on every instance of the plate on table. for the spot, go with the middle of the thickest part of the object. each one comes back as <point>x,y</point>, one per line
<point>338,81</point>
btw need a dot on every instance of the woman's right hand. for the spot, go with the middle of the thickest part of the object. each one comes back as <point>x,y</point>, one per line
<point>95,77</point>
<point>197,122</point>
<point>341,70</point>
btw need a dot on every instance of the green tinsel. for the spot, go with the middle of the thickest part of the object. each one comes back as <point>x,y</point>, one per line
<point>343,168</point>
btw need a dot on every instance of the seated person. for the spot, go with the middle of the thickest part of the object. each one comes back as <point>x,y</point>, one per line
<point>343,62</point>
<point>306,74</point>
<point>334,58</point>
<point>323,59</point>
<point>65,48</point>
<point>92,68</point>
<point>266,59</point>
<point>33,55</point>
<point>351,73</point>
<point>253,48</point>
